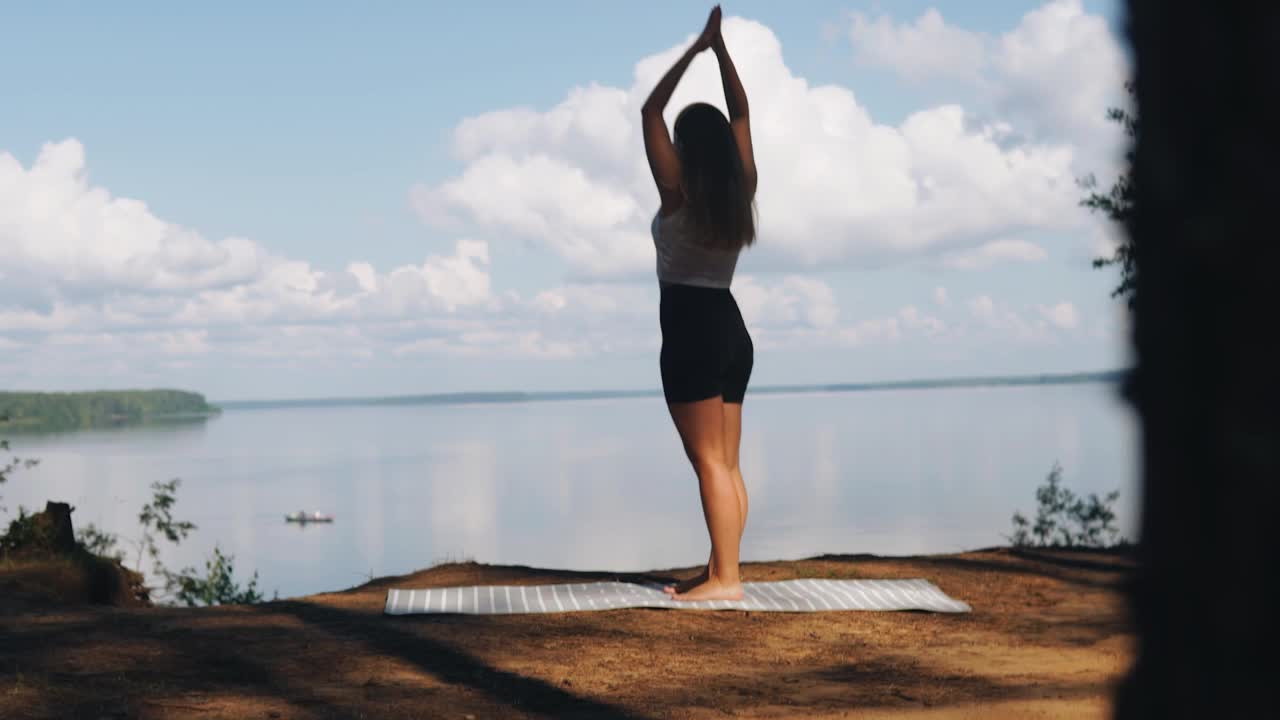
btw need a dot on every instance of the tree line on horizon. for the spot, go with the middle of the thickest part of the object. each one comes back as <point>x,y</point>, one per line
<point>80,410</point>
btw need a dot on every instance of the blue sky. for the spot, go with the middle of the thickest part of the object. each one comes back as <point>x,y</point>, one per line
<point>311,136</point>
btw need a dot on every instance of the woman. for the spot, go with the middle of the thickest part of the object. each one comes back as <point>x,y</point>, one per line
<point>707,184</point>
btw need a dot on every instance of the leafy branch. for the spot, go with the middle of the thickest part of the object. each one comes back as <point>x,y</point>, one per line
<point>1117,203</point>
<point>13,464</point>
<point>157,518</point>
<point>217,586</point>
<point>1065,520</point>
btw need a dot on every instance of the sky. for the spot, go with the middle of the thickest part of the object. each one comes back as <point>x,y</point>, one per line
<point>324,199</point>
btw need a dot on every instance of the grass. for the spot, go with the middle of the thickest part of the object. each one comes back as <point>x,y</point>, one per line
<point>78,578</point>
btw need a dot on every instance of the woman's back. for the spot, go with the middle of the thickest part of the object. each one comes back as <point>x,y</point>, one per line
<point>684,260</point>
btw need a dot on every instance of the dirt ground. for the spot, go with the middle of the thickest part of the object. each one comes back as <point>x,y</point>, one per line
<point>1047,638</point>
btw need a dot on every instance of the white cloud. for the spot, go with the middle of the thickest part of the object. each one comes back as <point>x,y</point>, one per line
<point>994,252</point>
<point>873,330</point>
<point>365,275</point>
<point>835,185</point>
<point>923,49</point>
<point>801,312</point>
<point>548,199</point>
<point>795,300</point>
<point>293,291</point>
<point>587,304</point>
<point>982,308</point>
<point>1059,69</point>
<point>1062,315</point>
<point>914,319</point>
<point>102,274</point>
<point>1010,323</point>
<point>1054,75</point>
<point>455,281</point>
<point>483,343</point>
<point>184,342</point>
<point>78,259</point>
<point>60,235</point>
<point>941,297</point>
<point>59,317</point>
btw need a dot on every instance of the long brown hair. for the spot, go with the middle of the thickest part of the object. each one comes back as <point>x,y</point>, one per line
<point>718,201</point>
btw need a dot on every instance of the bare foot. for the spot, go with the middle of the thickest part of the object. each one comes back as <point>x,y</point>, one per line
<point>712,590</point>
<point>687,585</point>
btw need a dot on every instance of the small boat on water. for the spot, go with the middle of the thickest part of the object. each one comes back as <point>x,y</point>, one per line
<point>306,517</point>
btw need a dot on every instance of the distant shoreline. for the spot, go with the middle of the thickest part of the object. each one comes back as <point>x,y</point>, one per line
<point>93,409</point>
<point>472,398</point>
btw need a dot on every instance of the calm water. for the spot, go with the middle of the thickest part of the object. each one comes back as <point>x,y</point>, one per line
<point>595,484</point>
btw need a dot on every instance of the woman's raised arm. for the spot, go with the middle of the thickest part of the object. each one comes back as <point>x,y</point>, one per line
<point>735,98</point>
<point>663,160</point>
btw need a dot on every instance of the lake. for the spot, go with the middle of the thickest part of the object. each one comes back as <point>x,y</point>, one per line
<point>588,484</point>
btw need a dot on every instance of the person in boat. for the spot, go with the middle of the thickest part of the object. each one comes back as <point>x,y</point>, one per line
<point>706,183</point>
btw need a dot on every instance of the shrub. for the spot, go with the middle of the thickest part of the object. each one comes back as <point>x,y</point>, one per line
<point>217,587</point>
<point>1065,520</point>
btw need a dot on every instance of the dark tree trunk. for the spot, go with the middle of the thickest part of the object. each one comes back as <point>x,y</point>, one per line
<point>1205,599</point>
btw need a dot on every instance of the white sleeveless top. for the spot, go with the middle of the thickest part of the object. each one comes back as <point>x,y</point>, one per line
<point>683,260</point>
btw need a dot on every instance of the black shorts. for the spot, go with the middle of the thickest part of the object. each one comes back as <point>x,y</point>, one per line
<point>706,350</point>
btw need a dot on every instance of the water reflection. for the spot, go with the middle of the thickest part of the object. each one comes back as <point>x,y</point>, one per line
<point>464,501</point>
<point>55,428</point>
<point>599,484</point>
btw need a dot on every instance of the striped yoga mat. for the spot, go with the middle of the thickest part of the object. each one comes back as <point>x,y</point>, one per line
<point>801,595</point>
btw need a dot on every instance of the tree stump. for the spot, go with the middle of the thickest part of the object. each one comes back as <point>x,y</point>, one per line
<point>57,519</point>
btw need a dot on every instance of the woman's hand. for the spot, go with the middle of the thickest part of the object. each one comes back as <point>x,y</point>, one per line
<point>711,33</point>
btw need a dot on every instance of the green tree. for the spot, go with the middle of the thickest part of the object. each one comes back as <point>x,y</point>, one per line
<point>104,408</point>
<point>1117,203</point>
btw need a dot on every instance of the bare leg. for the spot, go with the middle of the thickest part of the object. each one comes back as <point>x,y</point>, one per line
<point>732,443</point>
<point>702,426</point>
<point>720,510</point>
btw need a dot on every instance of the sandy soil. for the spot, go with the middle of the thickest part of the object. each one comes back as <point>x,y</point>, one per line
<point>1048,637</point>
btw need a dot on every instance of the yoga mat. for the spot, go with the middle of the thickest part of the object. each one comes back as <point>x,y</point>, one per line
<point>800,595</point>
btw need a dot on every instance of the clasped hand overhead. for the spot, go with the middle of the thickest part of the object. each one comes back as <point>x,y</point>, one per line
<point>710,36</point>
